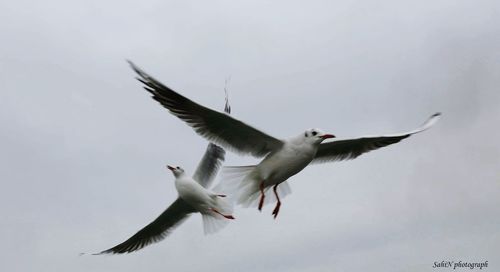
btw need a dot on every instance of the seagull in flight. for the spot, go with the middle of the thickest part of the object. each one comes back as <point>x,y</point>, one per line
<point>250,185</point>
<point>193,197</point>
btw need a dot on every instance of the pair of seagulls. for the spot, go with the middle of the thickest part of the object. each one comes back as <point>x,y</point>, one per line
<point>247,185</point>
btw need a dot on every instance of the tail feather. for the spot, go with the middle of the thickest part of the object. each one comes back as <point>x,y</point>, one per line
<point>243,188</point>
<point>251,199</point>
<point>237,171</point>
<point>213,222</point>
<point>234,180</point>
<point>222,205</point>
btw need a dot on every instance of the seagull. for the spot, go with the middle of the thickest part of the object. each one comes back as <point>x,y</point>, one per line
<point>249,185</point>
<point>193,197</point>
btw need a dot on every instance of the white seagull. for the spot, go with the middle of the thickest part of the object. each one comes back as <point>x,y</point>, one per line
<point>283,158</point>
<point>193,197</point>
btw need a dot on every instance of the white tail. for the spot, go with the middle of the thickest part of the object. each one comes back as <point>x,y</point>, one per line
<point>242,186</point>
<point>212,221</point>
<point>233,181</point>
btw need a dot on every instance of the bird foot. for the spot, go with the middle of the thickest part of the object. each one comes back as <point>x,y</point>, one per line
<point>276,209</point>
<point>262,196</point>
<point>225,216</point>
<point>261,202</point>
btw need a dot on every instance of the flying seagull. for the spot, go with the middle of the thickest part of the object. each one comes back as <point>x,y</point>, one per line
<point>193,197</point>
<point>282,158</point>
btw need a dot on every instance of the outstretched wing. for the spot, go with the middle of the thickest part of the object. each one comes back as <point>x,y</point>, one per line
<point>213,158</point>
<point>209,165</point>
<point>214,126</point>
<point>156,230</point>
<point>352,148</point>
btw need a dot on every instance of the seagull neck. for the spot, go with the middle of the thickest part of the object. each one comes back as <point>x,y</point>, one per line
<point>180,175</point>
<point>301,141</point>
<point>297,140</point>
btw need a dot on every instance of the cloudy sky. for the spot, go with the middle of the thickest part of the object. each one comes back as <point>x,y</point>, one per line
<point>83,147</point>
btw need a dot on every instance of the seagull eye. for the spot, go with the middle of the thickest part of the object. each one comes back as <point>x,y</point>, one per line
<point>178,167</point>
<point>314,133</point>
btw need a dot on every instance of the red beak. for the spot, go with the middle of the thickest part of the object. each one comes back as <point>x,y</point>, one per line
<point>328,136</point>
<point>170,168</point>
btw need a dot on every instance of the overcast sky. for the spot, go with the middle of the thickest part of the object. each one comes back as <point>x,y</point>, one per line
<point>84,147</point>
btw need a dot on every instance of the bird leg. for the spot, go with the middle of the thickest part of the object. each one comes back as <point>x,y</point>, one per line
<point>226,216</point>
<point>262,196</point>
<point>278,204</point>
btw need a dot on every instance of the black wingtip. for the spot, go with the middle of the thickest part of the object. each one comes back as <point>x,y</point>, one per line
<point>94,254</point>
<point>436,114</point>
<point>132,65</point>
<point>135,68</point>
<point>105,252</point>
<point>130,62</point>
<point>227,107</point>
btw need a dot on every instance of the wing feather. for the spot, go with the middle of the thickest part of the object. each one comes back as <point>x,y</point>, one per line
<point>353,148</point>
<point>156,231</point>
<point>212,159</point>
<point>216,127</point>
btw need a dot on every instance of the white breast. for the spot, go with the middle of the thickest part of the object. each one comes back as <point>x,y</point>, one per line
<point>193,193</point>
<point>285,163</point>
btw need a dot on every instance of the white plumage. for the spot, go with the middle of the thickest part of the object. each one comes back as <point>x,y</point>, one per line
<point>193,197</point>
<point>214,209</point>
<point>283,158</point>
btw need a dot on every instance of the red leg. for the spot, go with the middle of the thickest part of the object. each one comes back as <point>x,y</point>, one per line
<point>226,216</point>
<point>278,204</point>
<point>262,196</point>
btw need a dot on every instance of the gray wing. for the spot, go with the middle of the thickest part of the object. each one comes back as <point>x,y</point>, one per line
<point>352,148</point>
<point>212,159</point>
<point>214,126</point>
<point>156,231</point>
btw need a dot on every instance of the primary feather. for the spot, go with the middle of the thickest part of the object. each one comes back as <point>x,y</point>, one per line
<point>215,126</point>
<point>352,148</point>
<point>179,210</point>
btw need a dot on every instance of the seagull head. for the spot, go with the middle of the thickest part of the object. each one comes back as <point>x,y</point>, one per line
<point>316,136</point>
<point>177,171</point>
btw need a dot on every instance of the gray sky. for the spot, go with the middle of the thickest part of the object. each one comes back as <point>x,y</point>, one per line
<point>84,147</point>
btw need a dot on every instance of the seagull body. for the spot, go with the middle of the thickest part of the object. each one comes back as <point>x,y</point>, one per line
<point>294,156</point>
<point>204,201</point>
<point>194,197</point>
<point>282,158</point>
<point>247,183</point>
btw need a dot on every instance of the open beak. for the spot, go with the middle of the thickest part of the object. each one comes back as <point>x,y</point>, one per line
<point>170,168</point>
<point>328,136</point>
